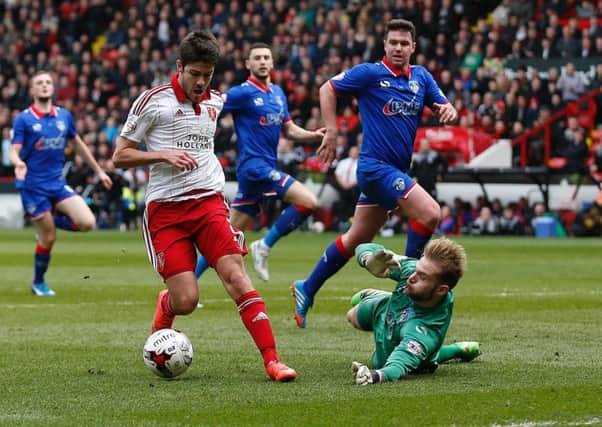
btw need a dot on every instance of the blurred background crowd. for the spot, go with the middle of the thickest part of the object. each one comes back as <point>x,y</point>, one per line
<point>104,53</point>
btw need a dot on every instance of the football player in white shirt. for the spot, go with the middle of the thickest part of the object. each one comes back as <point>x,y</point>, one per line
<point>185,206</point>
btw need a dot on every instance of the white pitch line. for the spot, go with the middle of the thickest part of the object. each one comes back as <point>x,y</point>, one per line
<point>592,422</point>
<point>573,293</point>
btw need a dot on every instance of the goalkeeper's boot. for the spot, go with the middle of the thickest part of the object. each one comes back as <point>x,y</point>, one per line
<point>364,293</point>
<point>42,290</point>
<point>278,371</point>
<point>469,350</point>
<point>303,302</point>
<point>260,253</point>
<point>162,319</point>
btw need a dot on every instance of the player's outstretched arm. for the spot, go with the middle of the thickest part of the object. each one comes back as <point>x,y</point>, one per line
<point>15,159</point>
<point>446,113</point>
<point>82,149</point>
<point>328,106</point>
<point>298,134</point>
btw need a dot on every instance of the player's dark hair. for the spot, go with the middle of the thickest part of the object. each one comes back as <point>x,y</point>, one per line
<point>450,257</point>
<point>400,25</point>
<point>199,46</point>
<point>258,45</point>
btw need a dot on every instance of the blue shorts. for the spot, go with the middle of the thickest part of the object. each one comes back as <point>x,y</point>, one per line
<point>382,184</point>
<point>256,185</point>
<point>38,201</point>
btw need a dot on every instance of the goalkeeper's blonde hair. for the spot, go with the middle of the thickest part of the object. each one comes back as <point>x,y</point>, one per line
<point>450,257</point>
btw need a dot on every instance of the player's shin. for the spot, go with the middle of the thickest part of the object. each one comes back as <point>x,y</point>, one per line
<point>334,258</point>
<point>253,314</point>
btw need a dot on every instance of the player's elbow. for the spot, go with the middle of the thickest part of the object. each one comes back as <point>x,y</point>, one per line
<point>326,90</point>
<point>119,159</point>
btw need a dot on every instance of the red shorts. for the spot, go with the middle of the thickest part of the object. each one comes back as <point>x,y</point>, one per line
<point>173,231</point>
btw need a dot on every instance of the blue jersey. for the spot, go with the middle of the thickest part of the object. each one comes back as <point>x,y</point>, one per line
<point>43,138</point>
<point>259,112</point>
<point>391,104</point>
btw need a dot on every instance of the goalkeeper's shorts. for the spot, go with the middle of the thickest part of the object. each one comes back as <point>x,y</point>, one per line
<point>370,309</point>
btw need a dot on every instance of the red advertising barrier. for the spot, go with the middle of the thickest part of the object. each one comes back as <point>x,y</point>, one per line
<point>456,144</point>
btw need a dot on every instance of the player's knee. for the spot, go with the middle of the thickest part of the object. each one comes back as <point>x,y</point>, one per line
<point>87,224</point>
<point>47,239</point>
<point>312,203</point>
<point>352,317</point>
<point>184,303</point>
<point>432,216</point>
<point>237,282</point>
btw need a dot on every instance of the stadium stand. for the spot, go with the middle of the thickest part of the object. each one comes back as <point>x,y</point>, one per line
<point>502,63</point>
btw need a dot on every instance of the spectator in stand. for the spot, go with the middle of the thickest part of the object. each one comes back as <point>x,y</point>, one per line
<point>428,167</point>
<point>345,175</point>
<point>485,224</point>
<point>448,225</point>
<point>538,211</point>
<point>596,165</point>
<point>567,46</point>
<point>570,83</point>
<point>576,152</point>
<point>509,223</point>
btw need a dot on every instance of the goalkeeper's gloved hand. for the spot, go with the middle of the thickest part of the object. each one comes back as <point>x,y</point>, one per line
<point>381,262</point>
<point>363,375</point>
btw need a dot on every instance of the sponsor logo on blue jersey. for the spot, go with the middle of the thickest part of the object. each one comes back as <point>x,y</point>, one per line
<point>50,143</point>
<point>271,119</point>
<point>395,106</point>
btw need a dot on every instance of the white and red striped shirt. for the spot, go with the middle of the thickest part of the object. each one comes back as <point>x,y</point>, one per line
<point>165,119</point>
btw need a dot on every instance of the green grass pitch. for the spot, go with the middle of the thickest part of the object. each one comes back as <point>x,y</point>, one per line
<point>76,359</point>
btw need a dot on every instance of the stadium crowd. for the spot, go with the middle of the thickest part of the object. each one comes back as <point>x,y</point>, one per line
<point>104,53</point>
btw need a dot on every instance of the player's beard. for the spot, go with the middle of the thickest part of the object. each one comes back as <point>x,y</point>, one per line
<point>44,99</point>
<point>421,297</point>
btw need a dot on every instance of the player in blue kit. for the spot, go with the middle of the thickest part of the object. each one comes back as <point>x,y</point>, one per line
<point>391,95</point>
<point>260,113</point>
<point>40,136</point>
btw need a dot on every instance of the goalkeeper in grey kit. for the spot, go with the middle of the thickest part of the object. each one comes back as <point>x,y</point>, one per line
<point>410,323</point>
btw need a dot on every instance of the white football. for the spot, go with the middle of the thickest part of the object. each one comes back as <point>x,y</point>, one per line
<point>168,353</point>
<point>317,227</point>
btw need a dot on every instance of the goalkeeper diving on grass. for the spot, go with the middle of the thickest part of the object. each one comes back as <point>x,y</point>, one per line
<point>410,323</point>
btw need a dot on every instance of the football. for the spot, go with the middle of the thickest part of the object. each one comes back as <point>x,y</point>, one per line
<point>168,353</point>
<point>317,227</point>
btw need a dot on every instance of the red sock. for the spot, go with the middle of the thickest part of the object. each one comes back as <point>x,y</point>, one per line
<point>164,315</point>
<point>254,315</point>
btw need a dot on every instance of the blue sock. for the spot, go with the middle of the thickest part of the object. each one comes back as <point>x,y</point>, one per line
<point>418,236</point>
<point>201,266</point>
<point>64,222</point>
<point>335,257</point>
<point>41,259</point>
<point>290,218</point>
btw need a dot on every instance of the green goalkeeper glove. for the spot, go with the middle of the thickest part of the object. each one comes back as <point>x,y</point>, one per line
<point>381,262</point>
<point>364,375</point>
